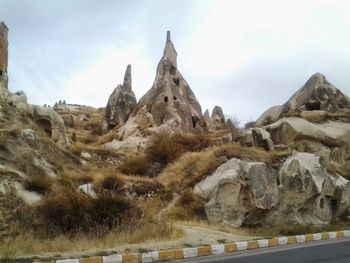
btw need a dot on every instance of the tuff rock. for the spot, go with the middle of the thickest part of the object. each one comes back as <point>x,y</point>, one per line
<point>302,191</point>
<point>120,103</point>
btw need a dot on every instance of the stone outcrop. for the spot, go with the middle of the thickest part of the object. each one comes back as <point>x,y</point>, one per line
<point>45,117</point>
<point>302,192</point>
<point>170,104</point>
<point>120,103</point>
<point>217,118</point>
<point>3,60</point>
<point>50,121</point>
<point>316,95</point>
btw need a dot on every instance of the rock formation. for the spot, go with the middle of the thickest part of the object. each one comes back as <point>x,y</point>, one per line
<point>120,103</point>
<point>170,104</point>
<point>45,117</point>
<point>302,191</point>
<point>218,118</point>
<point>3,60</point>
<point>316,95</point>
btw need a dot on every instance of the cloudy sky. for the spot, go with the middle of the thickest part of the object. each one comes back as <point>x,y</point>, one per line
<point>242,55</point>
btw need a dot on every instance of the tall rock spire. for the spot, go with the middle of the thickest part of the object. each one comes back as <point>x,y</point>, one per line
<point>120,103</point>
<point>169,51</point>
<point>127,78</point>
<point>170,101</point>
<point>3,59</point>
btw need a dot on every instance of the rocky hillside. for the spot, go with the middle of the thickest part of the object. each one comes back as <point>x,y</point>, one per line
<point>76,170</point>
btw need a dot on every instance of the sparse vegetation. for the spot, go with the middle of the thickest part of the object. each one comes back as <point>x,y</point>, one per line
<point>38,183</point>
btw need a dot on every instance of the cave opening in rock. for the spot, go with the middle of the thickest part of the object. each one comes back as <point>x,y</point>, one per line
<point>322,203</point>
<point>176,81</point>
<point>45,125</point>
<point>0,72</point>
<point>313,105</point>
<point>172,70</point>
<point>193,122</point>
<point>165,99</point>
<point>175,98</point>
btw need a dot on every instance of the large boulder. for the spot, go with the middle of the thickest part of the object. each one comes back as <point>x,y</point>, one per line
<point>239,192</point>
<point>120,103</point>
<point>316,95</point>
<point>170,102</point>
<point>252,193</point>
<point>311,195</point>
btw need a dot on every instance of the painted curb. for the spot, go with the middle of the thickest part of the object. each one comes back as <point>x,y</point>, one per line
<point>184,253</point>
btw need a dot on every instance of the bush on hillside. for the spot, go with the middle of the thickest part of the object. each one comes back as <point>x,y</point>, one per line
<point>70,211</point>
<point>38,183</point>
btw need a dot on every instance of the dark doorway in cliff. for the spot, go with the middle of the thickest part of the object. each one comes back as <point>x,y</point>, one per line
<point>334,206</point>
<point>176,81</point>
<point>172,70</point>
<point>322,203</point>
<point>45,125</point>
<point>165,99</point>
<point>193,122</point>
<point>0,72</point>
<point>175,98</point>
<point>313,105</point>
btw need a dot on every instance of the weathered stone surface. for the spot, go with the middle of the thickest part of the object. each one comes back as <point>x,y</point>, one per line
<point>29,136</point>
<point>120,103</point>
<point>256,137</point>
<point>50,121</point>
<point>292,130</point>
<point>239,192</point>
<point>3,60</point>
<point>303,192</point>
<point>170,101</point>
<point>316,95</point>
<point>218,118</point>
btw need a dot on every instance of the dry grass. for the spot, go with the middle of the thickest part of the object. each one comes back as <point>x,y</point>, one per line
<point>29,244</point>
<point>191,168</point>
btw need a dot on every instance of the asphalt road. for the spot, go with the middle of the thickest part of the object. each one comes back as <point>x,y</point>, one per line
<point>318,251</point>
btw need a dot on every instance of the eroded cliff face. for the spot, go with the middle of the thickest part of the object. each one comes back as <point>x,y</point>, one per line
<point>120,103</point>
<point>301,191</point>
<point>316,95</point>
<point>170,101</point>
<point>3,59</point>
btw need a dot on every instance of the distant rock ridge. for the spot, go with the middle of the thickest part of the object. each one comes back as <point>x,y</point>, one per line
<point>316,94</point>
<point>120,103</point>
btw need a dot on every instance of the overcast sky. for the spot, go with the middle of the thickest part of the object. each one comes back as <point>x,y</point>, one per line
<point>244,56</point>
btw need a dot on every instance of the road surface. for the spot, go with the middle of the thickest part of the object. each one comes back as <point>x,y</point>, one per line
<point>318,251</point>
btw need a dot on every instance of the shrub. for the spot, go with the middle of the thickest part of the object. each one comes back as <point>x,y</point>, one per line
<point>112,182</point>
<point>135,165</point>
<point>163,149</point>
<point>39,184</point>
<point>70,211</point>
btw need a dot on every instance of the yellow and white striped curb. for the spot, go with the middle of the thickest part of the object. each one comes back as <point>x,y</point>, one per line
<point>184,253</point>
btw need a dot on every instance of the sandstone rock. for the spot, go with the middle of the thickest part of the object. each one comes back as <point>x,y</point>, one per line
<point>256,137</point>
<point>316,95</point>
<point>120,103</point>
<point>3,61</point>
<point>170,101</point>
<point>292,130</point>
<point>50,122</point>
<point>239,192</point>
<point>218,118</point>
<point>29,136</point>
<point>302,192</point>
<point>86,156</point>
<point>18,101</point>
